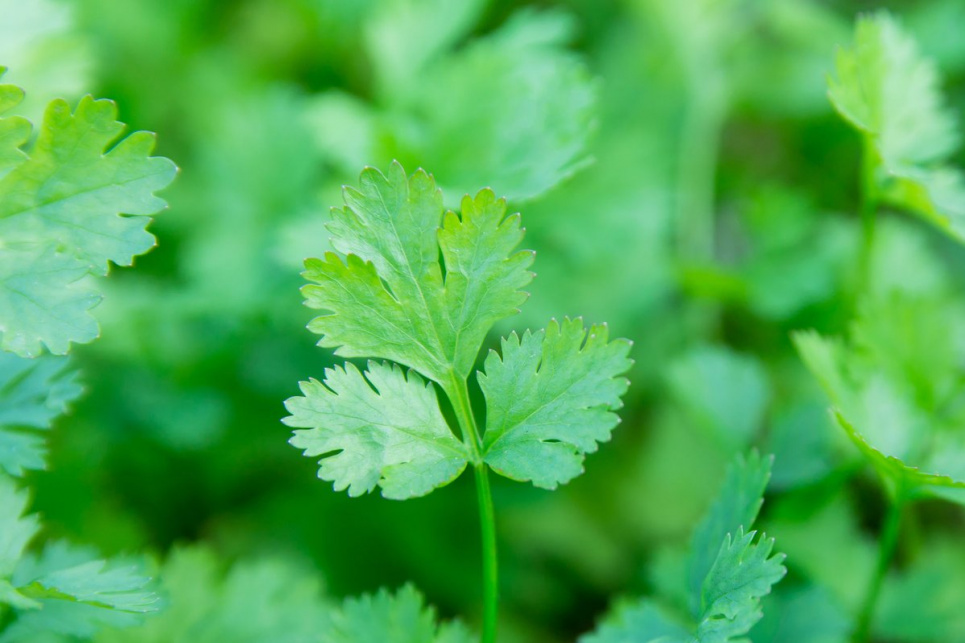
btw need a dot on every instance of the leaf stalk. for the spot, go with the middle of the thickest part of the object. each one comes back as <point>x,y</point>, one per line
<point>886,551</point>
<point>458,393</point>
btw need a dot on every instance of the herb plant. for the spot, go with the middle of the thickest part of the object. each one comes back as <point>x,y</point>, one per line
<point>766,197</point>
<point>422,287</point>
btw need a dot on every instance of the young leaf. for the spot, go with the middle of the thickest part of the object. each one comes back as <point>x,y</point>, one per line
<point>386,427</point>
<point>384,618</point>
<point>388,298</point>
<point>550,399</point>
<point>889,91</point>
<point>741,575</point>
<point>735,508</point>
<point>62,217</point>
<point>257,600</point>
<point>425,296</point>
<point>32,393</point>
<point>729,572</point>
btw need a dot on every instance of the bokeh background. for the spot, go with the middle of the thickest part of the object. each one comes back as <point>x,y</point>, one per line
<point>681,175</point>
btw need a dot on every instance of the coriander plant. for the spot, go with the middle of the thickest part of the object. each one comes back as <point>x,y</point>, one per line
<point>420,287</point>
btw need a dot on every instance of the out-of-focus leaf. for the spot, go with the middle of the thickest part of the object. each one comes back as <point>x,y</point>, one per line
<point>404,37</point>
<point>723,391</point>
<point>32,394</point>
<point>922,603</point>
<point>890,92</point>
<point>890,386</point>
<point>64,590</point>
<point>518,106</point>
<point>61,219</point>
<point>801,441</point>
<point>803,615</point>
<point>44,51</point>
<point>642,621</point>
<point>399,618</point>
<point>825,544</point>
<point>257,600</point>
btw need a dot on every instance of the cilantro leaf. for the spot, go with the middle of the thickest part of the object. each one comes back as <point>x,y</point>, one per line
<point>386,427</point>
<point>741,575</point>
<point>387,618</point>
<point>423,290</point>
<point>722,390</point>
<point>735,508</point>
<point>32,393</point>
<point>17,529</point>
<point>519,105</point>
<point>550,399</point>
<point>61,216</point>
<point>890,92</point>
<point>886,392</point>
<point>729,571</point>
<point>64,590</point>
<point>257,600</point>
<point>641,622</point>
<point>388,298</point>
<point>77,593</point>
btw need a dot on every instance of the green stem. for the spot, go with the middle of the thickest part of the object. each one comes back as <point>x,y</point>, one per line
<point>869,211</point>
<point>886,551</point>
<point>696,175</point>
<point>458,393</point>
<point>487,520</point>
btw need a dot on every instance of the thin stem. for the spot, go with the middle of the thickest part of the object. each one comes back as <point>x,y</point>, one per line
<point>487,520</point>
<point>458,394</point>
<point>886,551</point>
<point>869,211</point>
<point>696,175</point>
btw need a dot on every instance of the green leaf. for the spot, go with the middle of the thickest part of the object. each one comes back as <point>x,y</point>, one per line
<point>388,297</point>
<point>32,393</point>
<point>735,508</point>
<point>64,215</point>
<point>518,111</point>
<point>741,575</point>
<point>886,394</point>
<point>729,571</point>
<point>387,618</point>
<point>724,391</point>
<point>911,481</point>
<point>378,428</point>
<point>923,601</point>
<point>256,600</point>
<point>804,615</point>
<point>641,622</point>
<point>890,92</point>
<point>78,593</point>
<point>550,399</point>
<point>404,36</point>
<point>16,530</point>
<point>64,590</point>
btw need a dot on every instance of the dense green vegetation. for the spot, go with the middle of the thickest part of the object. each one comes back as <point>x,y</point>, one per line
<point>765,198</point>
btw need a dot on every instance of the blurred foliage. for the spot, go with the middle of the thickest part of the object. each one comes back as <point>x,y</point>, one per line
<point>682,176</point>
